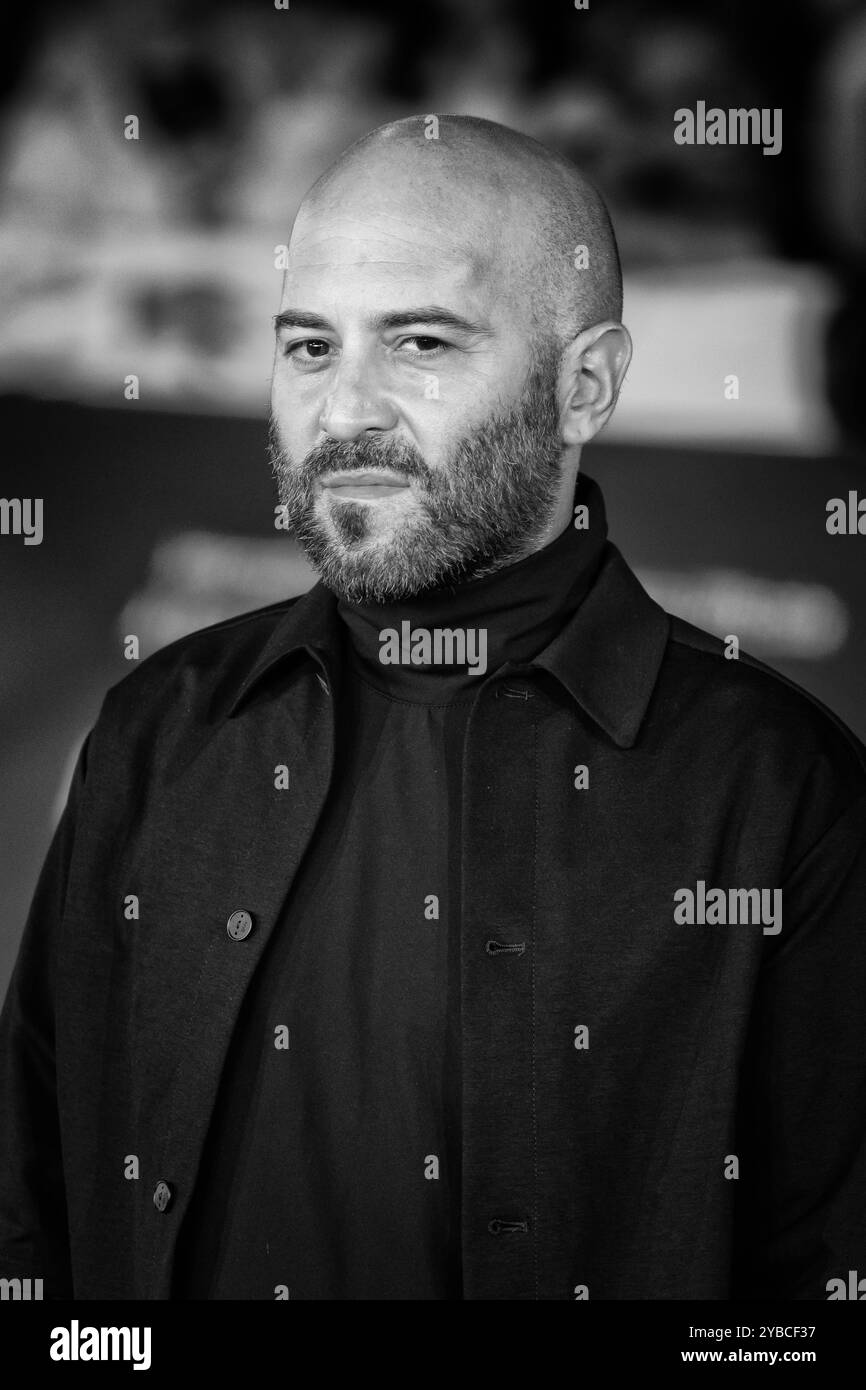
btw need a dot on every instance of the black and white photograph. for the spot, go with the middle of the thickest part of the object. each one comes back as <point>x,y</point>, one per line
<point>433,667</point>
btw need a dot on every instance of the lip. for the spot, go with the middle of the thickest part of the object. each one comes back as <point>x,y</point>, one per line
<point>370,479</point>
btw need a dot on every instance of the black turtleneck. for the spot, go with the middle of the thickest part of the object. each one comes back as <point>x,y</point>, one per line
<point>333,1166</point>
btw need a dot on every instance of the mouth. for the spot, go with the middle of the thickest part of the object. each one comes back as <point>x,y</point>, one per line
<point>364,486</point>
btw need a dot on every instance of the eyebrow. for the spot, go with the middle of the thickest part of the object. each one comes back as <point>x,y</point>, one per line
<point>432,314</point>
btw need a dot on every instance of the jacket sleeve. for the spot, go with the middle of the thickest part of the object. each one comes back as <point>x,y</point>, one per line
<point>34,1240</point>
<point>802,1133</point>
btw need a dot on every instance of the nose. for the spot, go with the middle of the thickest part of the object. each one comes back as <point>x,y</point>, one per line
<point>356,402</point>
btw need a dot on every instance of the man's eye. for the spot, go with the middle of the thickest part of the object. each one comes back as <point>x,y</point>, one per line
<point>425,346</point>
<point>313,349</point>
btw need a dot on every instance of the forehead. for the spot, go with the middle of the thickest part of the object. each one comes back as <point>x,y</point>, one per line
<point>387,253</point>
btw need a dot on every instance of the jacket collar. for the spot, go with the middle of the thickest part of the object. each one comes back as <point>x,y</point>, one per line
<point>607,656</point>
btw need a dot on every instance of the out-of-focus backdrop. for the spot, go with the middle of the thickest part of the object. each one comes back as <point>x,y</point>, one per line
<point>152,156</point>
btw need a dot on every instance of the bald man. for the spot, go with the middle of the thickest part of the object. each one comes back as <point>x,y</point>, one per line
<point>466,928</point>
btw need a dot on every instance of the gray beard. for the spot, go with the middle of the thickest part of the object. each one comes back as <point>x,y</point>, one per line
<point>487,507</point>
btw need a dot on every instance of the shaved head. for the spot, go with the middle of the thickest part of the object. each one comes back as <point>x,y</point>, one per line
<point>513,206</point>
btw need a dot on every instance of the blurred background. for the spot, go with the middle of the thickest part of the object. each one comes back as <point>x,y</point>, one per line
<point>156,258</point>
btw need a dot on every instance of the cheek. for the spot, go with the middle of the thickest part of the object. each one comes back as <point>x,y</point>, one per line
<point>295,411</point>
<point>436,417</point>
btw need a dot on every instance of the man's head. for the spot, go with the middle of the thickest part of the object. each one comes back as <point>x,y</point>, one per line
<point>450,318</point>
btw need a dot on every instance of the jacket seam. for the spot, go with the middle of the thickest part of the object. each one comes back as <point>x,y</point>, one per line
<point>858,800</point>
<point>532,983</point>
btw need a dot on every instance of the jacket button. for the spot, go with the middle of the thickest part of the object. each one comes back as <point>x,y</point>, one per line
<point>497,1227</point>
<point>513,692</point>
<point>162,1196</point>
<point>239,925</point>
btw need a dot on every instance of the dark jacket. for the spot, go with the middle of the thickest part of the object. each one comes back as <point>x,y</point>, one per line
<point>702,1138</point>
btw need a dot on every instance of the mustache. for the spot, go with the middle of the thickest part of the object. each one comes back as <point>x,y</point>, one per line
<point>357,456</point>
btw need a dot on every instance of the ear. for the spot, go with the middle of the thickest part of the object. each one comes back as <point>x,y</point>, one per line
<point>591,374</point>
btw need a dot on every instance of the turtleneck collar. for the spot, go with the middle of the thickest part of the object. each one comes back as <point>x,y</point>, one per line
<point>511,615</point>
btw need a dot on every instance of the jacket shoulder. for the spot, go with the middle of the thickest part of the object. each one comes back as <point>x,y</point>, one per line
<point>196,669</point>
<point>755,702</point>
